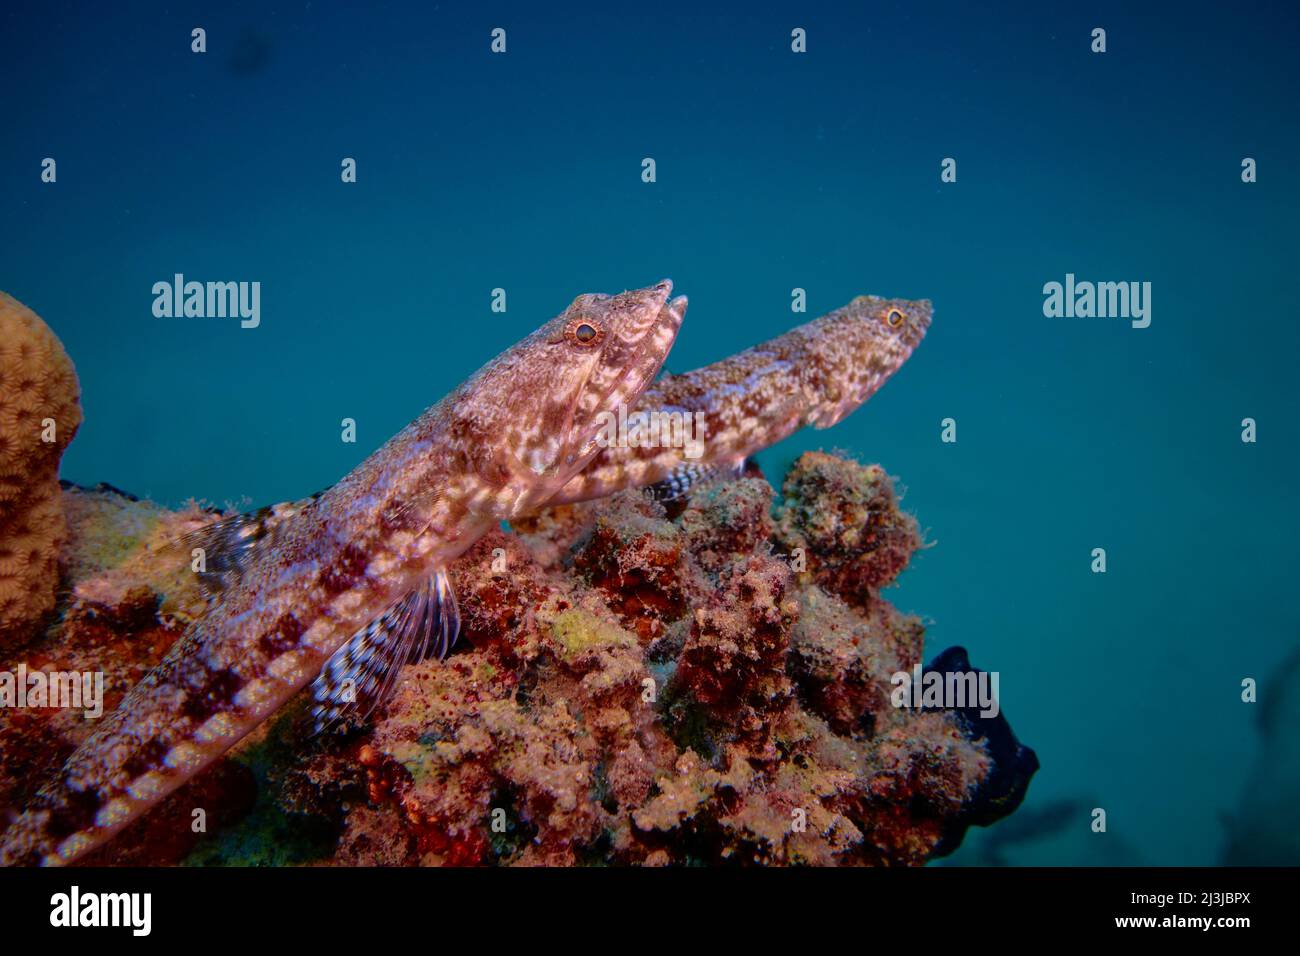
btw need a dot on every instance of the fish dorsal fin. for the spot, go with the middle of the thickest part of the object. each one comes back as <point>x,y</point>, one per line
<point>362,674</point>
<point>689,476</point>
<point>230,545</point>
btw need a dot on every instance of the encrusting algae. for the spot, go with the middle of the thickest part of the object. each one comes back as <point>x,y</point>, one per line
<point>633,688</point>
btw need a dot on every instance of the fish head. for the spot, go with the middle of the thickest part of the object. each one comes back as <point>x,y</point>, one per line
<point>543,409</point>
<point>854,350</point>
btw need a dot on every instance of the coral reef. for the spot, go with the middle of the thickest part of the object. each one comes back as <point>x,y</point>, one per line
<point>710,687</point>
<point>40,411</point>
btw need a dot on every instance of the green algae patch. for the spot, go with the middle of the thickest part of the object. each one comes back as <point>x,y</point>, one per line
<point>415,758</point>
<point>577,632</point>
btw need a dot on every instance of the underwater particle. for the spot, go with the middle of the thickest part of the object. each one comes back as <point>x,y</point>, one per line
<point>40,412</point>
<point>251,53</point>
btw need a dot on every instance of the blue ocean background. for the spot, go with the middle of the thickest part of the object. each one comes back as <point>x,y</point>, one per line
<point>775,171</point>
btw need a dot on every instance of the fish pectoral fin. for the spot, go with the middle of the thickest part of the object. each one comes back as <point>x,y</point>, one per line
<point>220,552</point>
<point>362,674</point>
<point>689,476</point>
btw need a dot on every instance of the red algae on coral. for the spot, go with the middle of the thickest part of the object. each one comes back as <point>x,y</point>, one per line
<point>631,688</point>
<point>845,519</point>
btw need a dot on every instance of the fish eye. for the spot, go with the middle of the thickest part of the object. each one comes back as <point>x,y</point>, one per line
<point>895,318</point>
<point>584,333</point>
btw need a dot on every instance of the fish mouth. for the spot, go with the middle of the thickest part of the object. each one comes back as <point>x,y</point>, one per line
<point>918,322</point>
<point>643,334</point>
<point>646,340</point>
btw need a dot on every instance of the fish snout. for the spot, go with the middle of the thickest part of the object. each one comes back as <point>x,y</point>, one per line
<point>918,322</point>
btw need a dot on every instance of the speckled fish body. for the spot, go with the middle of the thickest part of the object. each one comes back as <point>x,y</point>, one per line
<point>815,375</point>
<point>498,446</point>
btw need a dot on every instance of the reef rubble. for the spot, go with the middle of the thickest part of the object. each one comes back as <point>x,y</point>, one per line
<point>637,682</point>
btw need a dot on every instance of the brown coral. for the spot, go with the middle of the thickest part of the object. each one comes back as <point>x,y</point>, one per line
<point>40,412</point>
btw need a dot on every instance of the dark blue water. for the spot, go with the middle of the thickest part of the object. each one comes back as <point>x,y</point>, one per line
<point>775,171</point>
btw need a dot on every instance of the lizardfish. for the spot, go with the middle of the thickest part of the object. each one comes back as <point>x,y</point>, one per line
<point>815,375</point>
<point>351,585</point>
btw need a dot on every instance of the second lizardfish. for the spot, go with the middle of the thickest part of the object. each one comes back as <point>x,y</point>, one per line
<point>815,375</point>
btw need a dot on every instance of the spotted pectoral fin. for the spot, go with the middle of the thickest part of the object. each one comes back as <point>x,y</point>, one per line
<point>689,476</point>
<point>363,673</point>
<point>220,552</point>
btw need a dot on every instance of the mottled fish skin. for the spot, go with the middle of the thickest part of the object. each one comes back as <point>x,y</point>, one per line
<point>498,446</point>
<point>813,375</point>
